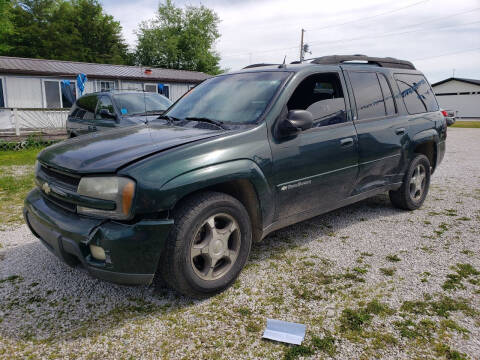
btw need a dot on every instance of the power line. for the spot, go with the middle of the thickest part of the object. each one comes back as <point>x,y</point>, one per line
<point>360,38</point>
<point>447,54</point>
<point>370,17</point>
<point>389,34</point>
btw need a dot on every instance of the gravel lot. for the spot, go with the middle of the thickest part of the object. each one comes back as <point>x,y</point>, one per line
<point>369,281</point>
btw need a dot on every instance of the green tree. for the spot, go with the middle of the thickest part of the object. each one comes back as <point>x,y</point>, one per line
<point>6,26</point>
<point>75,30</point>
<point>180,39</point>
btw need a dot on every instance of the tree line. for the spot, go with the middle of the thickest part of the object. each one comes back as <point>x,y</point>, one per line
<point>81,30</point>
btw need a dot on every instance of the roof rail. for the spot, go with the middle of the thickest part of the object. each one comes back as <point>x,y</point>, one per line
<point>388,62</point>
<point>258,65</point>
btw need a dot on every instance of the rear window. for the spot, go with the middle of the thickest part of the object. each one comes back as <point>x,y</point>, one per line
<point>416,93</point>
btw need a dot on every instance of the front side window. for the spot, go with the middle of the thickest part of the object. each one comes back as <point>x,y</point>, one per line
<point>368,95</point>
<point>322,95</point>
<point>141,103</point>
<point>52,94</point>
<point>87,105</point>
<point>104,103</point>
<point>416,93</point>
<point>237,98</point>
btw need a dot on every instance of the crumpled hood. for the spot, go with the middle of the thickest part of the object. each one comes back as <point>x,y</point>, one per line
<point>107,151</point>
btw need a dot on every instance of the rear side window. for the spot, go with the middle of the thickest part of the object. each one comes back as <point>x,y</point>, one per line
<point>387,95</point>
<point>368,95</point>
<point>416,93</point>
<point>87,105</point>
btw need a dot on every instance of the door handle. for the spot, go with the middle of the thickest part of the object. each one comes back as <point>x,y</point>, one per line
<point>346,142</point>
<point>400,131</point>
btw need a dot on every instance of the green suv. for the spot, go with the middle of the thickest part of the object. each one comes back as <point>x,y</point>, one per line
<point>182,197</point>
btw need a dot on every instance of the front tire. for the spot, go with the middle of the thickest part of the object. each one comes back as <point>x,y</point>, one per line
<point>416,183</point>
<point>208,245</point>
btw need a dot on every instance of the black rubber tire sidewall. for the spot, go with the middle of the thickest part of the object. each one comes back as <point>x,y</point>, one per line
<point>401,198</point>
<point>191,215</point>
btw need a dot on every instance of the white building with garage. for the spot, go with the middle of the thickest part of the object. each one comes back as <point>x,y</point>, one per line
<point>460,95</point>
<point>33,91</point>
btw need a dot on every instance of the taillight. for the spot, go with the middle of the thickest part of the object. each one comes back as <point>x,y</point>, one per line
<point>444,113</point>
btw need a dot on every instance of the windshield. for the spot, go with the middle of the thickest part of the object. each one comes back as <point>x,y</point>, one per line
<point>238,98</point>
<point>139,103</point>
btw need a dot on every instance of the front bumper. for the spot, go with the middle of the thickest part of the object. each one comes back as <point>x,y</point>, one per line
<point>132,250</point>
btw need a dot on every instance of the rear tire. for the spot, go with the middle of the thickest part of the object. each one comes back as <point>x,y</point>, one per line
<point>416,183</point>
<point>208,245</point>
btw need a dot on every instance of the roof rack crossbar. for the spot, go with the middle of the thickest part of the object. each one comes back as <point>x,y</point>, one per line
<point>384,62</point>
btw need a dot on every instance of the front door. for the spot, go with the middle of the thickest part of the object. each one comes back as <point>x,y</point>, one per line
<point>317,168</point>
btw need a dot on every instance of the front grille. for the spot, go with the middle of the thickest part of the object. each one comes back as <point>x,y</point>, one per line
<point>58,178</point>
<point>63,204</point>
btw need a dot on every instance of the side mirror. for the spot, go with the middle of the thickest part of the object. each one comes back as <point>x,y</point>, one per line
<point>105,114</point>
<point>296,121</point>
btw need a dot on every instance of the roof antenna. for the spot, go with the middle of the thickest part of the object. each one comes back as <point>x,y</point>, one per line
<point>283,66</point>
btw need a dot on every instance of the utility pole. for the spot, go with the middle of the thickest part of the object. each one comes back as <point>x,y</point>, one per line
<point>301,46</point>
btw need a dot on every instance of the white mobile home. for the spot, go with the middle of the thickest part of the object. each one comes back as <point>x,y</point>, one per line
<point>38,83</point>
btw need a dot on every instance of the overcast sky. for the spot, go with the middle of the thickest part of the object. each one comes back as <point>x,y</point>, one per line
<point>255,31</point>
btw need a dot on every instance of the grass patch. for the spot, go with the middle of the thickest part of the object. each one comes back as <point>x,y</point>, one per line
<point>387,271</point>
<point>325,344</point>
<point>21,157</point>
<point>441,307</point>
<point>13,190</point>
<point>467,124</point>
<point>445,351</point>
<point>393,258</point>
<point>463,271</point>
<point>355,320</point>
<point>297,351</point>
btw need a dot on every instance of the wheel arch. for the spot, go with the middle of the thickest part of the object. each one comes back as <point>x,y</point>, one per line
<point>426,143</point>
<point>241,179</point>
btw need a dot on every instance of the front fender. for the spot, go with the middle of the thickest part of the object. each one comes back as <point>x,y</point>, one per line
<point>244,169</point>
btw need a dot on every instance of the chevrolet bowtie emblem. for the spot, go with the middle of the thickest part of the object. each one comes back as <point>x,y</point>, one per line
<point>46,188</point>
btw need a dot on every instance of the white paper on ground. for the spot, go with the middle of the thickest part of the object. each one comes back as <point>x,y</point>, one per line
<point>284,331</point>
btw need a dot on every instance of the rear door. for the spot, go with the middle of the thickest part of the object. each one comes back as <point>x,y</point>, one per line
<point>382,133</point>
<point>316,169</point>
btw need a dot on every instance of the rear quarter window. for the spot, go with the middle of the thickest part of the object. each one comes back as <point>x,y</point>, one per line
<point>416,93</point>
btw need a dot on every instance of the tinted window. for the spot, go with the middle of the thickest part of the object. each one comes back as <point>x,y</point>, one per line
<point>138,103</point>
<point>2,102</point>
<point>368,95</point>
<point>87,105</point>
<point>387,95</point>
<point>322,95</point>
<point>416,93</point>
<point>236,98</point>
<point>104,103</point>
<point>52,94</point>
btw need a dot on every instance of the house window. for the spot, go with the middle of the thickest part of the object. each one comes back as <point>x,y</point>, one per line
<point>2,101</point>
<point>107,85</point>
<point>164,90</point>
<point>151,88</point>
<point>52,94</point>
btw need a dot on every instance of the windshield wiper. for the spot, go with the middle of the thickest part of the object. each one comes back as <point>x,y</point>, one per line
<point>207,120</point>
